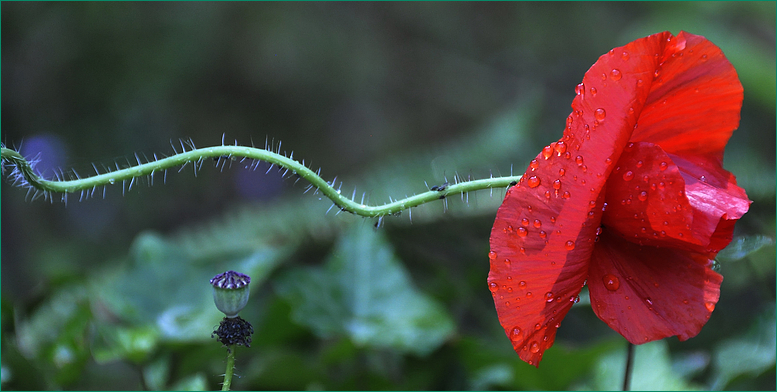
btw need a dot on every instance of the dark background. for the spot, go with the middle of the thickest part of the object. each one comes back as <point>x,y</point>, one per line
<point>383,95</point>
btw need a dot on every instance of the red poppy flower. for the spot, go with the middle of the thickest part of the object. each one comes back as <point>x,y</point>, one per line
<point>633,200</point>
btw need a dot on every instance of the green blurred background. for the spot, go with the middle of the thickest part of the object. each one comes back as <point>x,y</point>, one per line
<point>112,293</point>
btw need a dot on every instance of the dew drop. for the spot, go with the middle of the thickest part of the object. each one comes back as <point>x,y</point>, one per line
<point>561,172</point>
<point>525,221</point>
<point>608,161</point>
<point>703,57</point>
<point>710,306</point>
<point>611,282</point>
<point>508,229</point>
<point>523,250</point>
<point>547,151</point>
<point>593,91</point>
<point>580,90</point>
<point>537,326</point>
<point>507,263</point>
<point>521,285</point>
<point>639,82</point>
<point>570,245</point>
<point>547,194</point>
<point>600,114</point>
<point>579,160</point>
<point>534,164</point>
<point>537,223</point>
<point>642,196</point>
<point>649,301</point>
<point>549,297</point>
<point>515,333</point>
<point>522,232</point>
<point>566,195</point>
<point>639,164</point>
<point>628,175</point>
<point>561,148</point>
<point>615,75</point>
<point>543,234</point>
<point>111,181</point>
<point>535,348</point>
<point>492,255</point>
<point>528,294</point>
<point>533,182</point>
<point>557,184</point>
<point>493,287</point>
<point>625,55</point>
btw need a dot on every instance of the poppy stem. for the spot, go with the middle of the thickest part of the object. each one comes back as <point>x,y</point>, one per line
<point>23,174</point>
<point>230,368</point>
<point>629,365</point>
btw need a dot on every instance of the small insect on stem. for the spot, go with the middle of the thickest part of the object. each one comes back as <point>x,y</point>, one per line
<point>439,188</point>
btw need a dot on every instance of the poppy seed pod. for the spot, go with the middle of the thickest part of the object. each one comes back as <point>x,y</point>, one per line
<point>230,292</point>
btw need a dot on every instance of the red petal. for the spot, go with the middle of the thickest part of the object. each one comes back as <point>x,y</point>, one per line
<point>648,293</point>
<point>694,101</point>
<point>665,200</point>
<point>544,231</point>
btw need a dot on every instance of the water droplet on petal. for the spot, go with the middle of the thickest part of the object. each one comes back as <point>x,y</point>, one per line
<point>549,297</point>
<point>537,223</point>
<point>533,182</point>
<point>515,333</point>
<point>611,282</point>
<point>600,114</point>
<point>522,232</point>
<point>580,90</point>
<point>639,164</point>
<point>521,285</point>
<point>566,195</point>
<point>570,245</point>
<point>507,263</point>
<point>615,75</point>
<point>557,185</point>
<point>642,196</point>
<point>493,287</point>
<point>703,57</point>
<point>537,326</point>
<point>547,151</point>
<point>535,348</point>
<point>492,255</point>
<point>625,55</point>
<point>579,160</point>
<point>528,294</point>
<point>628,175</point>
<point>561,172</point>
<point>710,306</point>
<point>593,91</point>
<point>561,148</point>
<point>534,164</point>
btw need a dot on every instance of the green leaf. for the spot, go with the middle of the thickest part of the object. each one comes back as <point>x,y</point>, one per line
<point>651,370</point>
<point>741,247</point>
<point>750,354</point>
<point>167,287</point>
<point>364,293</point>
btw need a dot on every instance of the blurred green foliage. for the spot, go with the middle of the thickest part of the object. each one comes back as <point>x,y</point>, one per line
<point>113,293</point>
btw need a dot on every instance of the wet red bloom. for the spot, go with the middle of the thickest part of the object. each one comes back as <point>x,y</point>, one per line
<point>632,199</point>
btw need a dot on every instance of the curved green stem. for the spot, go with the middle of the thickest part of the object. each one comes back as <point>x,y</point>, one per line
<point>230,368</point>
<point>23,175</point>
